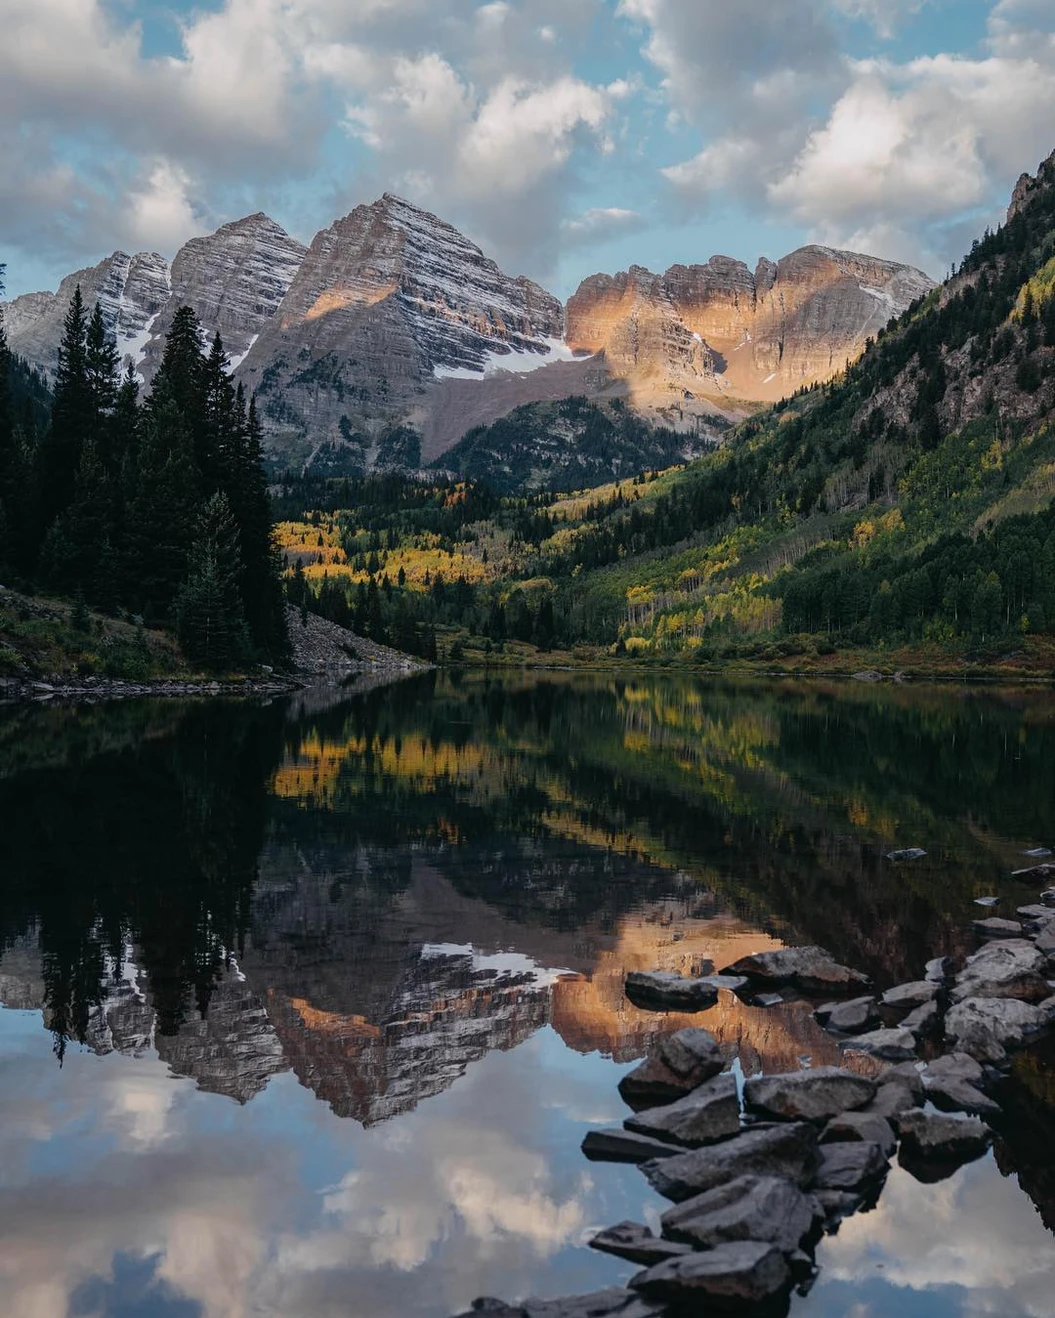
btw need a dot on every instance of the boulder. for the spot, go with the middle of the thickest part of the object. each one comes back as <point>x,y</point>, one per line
<point>679,1062</point>
<point>807,1095</point>
<point>954,1066</point>
<point>1041,914</point>
<point>767,999</point>
<point>847,1165</point>
<point>658,990</point>
<point>938,970</point>
<point>810,969</point>
<point>860,1128</point>
<point>953,1095</point>
<point>994,927</point>
<point>887,1045</point>
<point>632,1241</point>
<point>617,1145</point>
<point>613,1303</point>
<point>986,1027</point>
<point>924,1021</point>
<point>906,853</point>
<point>1045,940</point>
<point>932,1135</point>
<point>710,1113</point>
<point>731,1278</point>
<point>849,1017</point>
<point>732,983</point>
<point>763,1208</point>
<point>786,1150</point>
<point>906,997</point>
<point>1007,968</point>
<point>891,1099</point>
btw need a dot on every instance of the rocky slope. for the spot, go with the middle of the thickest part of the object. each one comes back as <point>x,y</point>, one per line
<point>705,339</point>
<point>392,318</point>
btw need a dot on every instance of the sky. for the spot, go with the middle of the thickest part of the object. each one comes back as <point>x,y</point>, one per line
<point>563,136</point>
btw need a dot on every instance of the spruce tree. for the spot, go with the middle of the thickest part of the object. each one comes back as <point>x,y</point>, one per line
<point>12,474</point>
<point>59,455</point>
<point>160,518</point>
<point>180,378</point>
<point>209,619</point>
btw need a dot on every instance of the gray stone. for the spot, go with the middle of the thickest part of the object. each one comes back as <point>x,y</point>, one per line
<point>1044,914</point>
<point>994,927</point>
<point>860,1128</point>
<point>768,999</point>
<point>631,1240</point>
<point>924,1021</point>
<point>733,983</point>
<point>749,1208</point>
<point>845,1165</point>
<point>613,1303</point>
<point>811,969</point>
<point>837,1204</point>
<point>1045,941</point>
<point>906,853</point>
<point>731,1278</point>
<point>892,1099</point>
<point>906,997</point>
<point>617,1145</point>
<point>887,1045</point>
<point>938,970</point>
<point>986,1027</point>
<point>954,1066</point>
<point>784,1150</point>
<point>1008,968</point>
<point>954,1095</point>
<point>710,1113</point>
<point>661,991</point>
<point>849,1017</point>
<point>932,1135</point>
<point>679,1062</point>
<point>808,1095</point>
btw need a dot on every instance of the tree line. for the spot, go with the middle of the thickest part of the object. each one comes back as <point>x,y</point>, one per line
<point>156,507</point>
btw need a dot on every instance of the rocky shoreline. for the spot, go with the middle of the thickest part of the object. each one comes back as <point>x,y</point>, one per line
<point>759,1171</point>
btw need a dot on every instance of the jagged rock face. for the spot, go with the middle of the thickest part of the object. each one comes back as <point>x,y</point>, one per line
<point>715,335</point>
<point>386,299</point>
<point>130,290</point>
<point>235,279</point>
<point>1029,186</point>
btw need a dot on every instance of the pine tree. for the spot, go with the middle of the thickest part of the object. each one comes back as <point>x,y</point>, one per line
<point>59,455</point>
<point>209,619</point>
<point>218,437</point>
<point>12,461</point>
<point>161,511</point>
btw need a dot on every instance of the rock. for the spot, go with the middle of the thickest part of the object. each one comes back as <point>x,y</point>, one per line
<point>807,1095</point>
<point>680,1062</point>
<point>907,853</point>
<point>938,970</point>
<point>908,996</point>
<point>1007,968</point>
<point>613,1303</point>
<point>786,1150</point>
<point>616,1145</point>
<point>1048,895</point>
<point>892,1099</point>
<point>888,1045</point>
<point>930,1135</point>
<point>997,928</point>
<point>631,1240</point>
<point>767,999</point>
<point>1037,853</point>
<point>659,990</point>
<point>732,983</point>
<point>987,901</point>
<point>986,1027</point>
<point>710,1113</point>
<point>1045,914</point>
<point>868,675</point>
<point>860,1127</point>
<point>837,1204</point>
<point>846,1165</point>
<point>811,969</point>
<point>924,1021</point>
<point>849,1017</point>
<point>1045,941</point>
<point>764,1208</point>
<point>731,1278</point>
<point>788,322</point>
<point>954,1066</point>
<point>954,1095</point>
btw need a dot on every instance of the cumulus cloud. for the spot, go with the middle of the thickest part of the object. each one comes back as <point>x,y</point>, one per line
<point>600,224</point>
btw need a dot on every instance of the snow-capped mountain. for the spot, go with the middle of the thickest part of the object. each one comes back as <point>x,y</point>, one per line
<point>393,318</point>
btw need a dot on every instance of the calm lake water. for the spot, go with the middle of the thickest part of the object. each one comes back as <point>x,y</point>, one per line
<point>307,1007</point>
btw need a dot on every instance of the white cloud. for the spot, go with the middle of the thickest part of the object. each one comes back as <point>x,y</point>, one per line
<point>600,224</point>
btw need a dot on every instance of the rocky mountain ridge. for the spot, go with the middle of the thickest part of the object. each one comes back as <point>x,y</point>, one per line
<point>393,318</point>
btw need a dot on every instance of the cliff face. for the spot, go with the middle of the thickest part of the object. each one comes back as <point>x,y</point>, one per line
<point>714,337</point>
<point>387,301</point>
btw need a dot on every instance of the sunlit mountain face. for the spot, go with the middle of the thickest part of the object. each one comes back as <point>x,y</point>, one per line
<point>318,998</point>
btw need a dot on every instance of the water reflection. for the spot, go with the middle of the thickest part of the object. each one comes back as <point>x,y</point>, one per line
<point>418,907</point>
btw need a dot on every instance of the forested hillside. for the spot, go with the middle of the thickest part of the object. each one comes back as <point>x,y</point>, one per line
<point>155,509</point>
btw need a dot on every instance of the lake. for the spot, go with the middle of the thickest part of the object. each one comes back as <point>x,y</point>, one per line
<point>307,1006</point>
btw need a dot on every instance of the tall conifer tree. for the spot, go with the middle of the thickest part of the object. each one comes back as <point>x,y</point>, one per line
<point>59,455</point>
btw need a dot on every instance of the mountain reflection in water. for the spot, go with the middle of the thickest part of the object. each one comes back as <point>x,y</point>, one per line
<point>418,905</point>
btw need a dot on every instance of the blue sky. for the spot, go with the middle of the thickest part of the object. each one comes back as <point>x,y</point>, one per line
<point>565,136</point>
